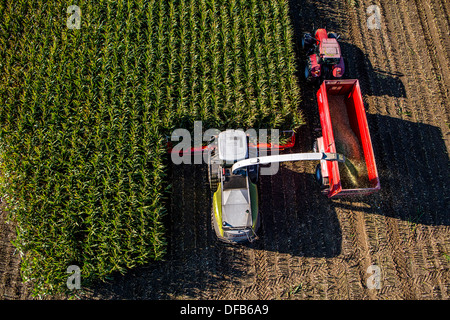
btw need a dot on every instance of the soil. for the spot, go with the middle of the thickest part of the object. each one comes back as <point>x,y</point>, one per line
<point>309,246</point>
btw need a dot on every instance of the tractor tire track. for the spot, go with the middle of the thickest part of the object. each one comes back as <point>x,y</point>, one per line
<point>12,286</point>
<point>395,226</point>
<point>430,115</point>
<point>407,138</point>
<point>264,269</point>
<point>436,46</point>
<point>388,140</point>
<point>355,241</point>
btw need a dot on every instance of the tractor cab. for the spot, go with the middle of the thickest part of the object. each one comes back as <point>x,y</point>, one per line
<point>330,51</point>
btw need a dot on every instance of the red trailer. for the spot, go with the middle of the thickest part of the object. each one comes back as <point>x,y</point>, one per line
<point>344,126</point>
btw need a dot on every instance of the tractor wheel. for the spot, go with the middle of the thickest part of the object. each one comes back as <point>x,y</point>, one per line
<point>212,177</point>
<point>307,73</point>
<point>346,65</point>
<point>304,41</point>
<point>213,182</point>
<point>323,182</point>
<point>307,41</point>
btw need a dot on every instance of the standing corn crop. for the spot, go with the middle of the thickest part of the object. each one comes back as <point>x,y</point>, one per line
<point>84,113</point>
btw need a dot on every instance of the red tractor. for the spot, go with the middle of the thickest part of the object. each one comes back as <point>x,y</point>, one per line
<point>325,61</point>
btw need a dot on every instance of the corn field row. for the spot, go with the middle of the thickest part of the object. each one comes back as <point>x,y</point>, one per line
<point>84,114</point>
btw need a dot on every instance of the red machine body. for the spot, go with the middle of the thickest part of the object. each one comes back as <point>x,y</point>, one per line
<point>325,59</point>
<point>261,146</point>
<point>351,91</point>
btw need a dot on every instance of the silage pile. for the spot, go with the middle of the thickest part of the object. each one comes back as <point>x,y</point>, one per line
<point>353,171</point>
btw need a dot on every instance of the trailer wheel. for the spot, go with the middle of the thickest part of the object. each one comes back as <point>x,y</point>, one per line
<point>315,146</point>
<point>307,72</point>
<point>318,175</point>
<point>320,180</point>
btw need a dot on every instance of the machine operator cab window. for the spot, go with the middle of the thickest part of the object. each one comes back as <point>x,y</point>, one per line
<point>329,51</point>
<point>233,147</point>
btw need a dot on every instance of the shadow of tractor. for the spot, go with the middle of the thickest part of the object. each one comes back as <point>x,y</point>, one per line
<point>360,67</point>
